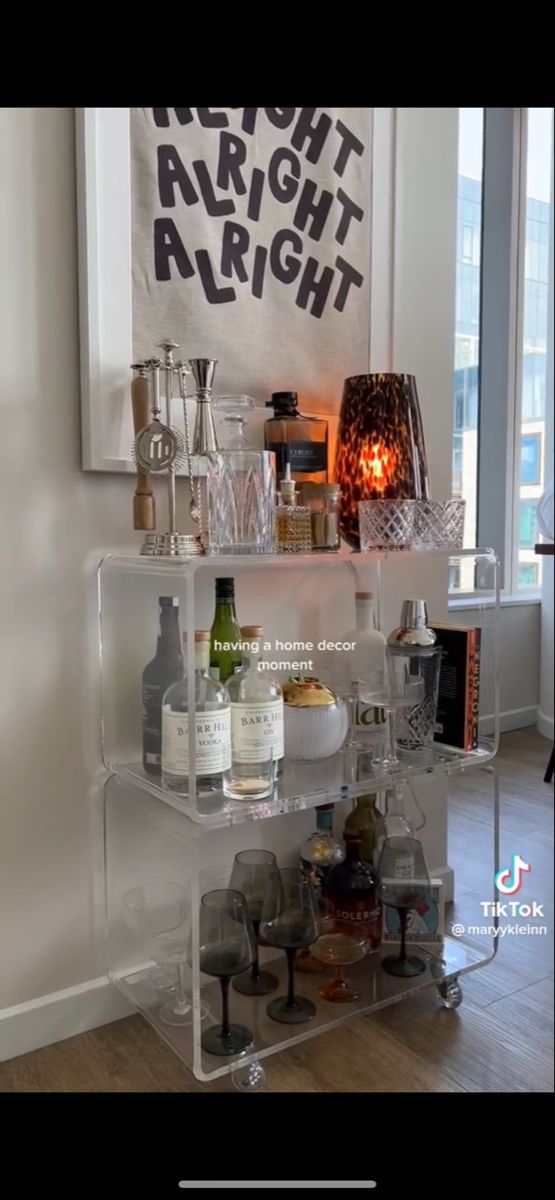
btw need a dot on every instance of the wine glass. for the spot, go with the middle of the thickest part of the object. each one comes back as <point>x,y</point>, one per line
<point>234,412</point>
<point>227,947</point>
<point>337,669</point>
<point>342,944</point>
<point>159,911</point>
<point>289,920</point>
<point>251,874</point>
<point>392,690</point>
<point>404,884</point>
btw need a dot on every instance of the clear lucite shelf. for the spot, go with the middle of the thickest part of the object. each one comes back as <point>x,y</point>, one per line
<point>376,990</point>
<point>305,785</point>
<point>313,600</point>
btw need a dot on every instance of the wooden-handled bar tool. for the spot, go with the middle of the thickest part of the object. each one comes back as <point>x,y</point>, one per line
<point>144,504</point>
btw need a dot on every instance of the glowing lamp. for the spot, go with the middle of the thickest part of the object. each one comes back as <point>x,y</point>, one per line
<point>380,446</point>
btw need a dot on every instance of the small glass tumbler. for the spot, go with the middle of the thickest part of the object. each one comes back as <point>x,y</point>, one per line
<point>241,488</point>
<point>386,524</point>
<point>250,780</point>
<point>438,524</point>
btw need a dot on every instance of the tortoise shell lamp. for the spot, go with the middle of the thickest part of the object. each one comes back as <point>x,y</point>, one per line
<point>380,447</point>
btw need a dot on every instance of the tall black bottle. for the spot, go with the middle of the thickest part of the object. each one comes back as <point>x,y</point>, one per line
<point>165,668</point>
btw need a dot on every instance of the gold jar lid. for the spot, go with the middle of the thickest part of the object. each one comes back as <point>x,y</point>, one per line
<point>308,692</point>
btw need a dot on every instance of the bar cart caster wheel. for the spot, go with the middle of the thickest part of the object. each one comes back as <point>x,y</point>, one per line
<point>250,1078</point>
<point>451,993</point>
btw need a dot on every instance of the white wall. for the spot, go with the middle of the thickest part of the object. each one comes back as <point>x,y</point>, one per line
<point>58,521</point>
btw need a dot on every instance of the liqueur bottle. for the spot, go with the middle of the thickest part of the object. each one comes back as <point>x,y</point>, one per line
<point>368,654</point>
<point>352,889</point>
<point>294,438</point>
<point>320,852</point>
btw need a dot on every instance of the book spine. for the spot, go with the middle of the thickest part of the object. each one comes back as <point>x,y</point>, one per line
<point>477,639</point>
<point>469,689</point>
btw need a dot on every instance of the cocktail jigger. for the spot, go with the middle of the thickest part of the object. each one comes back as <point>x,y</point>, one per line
<point>204,437</point>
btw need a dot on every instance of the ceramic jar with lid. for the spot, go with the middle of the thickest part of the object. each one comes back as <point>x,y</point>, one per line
<point>315,719</point>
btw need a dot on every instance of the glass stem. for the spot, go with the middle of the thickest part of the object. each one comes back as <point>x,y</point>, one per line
<point>182,1002</point>
<point>255,969</point>
<point>391,751</point>
<point>291,985</point>
<point>403,924</point>
<point>224,984</point>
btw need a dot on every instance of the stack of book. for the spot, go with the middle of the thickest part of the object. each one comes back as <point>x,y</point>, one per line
<point>458,707</point>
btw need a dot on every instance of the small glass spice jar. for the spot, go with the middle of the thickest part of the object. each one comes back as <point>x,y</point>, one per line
<point>323,501</point>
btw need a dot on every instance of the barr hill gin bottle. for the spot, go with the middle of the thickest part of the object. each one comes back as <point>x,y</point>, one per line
<point>163,670</point>
<point>257,744</point>
<point>212,727</point>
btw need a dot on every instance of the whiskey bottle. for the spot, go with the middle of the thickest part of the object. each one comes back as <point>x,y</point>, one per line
<point>212,727</point>
<point>305,439</point>
<point>225,634</point>
<point>352,889</point>
<point>163,670</point>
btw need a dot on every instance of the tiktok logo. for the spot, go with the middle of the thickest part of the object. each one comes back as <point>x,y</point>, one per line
<point>509,879</point>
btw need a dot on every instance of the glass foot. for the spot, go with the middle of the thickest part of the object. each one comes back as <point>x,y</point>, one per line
<point>410,966</point>
<point>175,1014</point>
<point>249,1079</point>
<point>247,986</point>
<point>291,1014</point>
<point>235,1041</point>
<point>339,991</point>
<point>307,964</point>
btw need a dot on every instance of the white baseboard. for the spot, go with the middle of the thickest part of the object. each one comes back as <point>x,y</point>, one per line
<point>545,725</point>
<point>59,1016</point>
<point>513,718</point>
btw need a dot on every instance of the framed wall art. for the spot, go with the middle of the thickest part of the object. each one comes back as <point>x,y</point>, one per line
<point>256,236</point>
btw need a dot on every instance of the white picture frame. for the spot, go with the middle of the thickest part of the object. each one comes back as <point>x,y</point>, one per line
<point>105,276</point>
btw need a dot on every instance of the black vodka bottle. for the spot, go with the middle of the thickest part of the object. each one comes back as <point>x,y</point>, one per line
<point>165,668</point>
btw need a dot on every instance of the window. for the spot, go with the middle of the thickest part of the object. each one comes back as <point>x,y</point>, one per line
<point>500,397</point>
<point>530,459</point>
<point>528,529</point>
<point>536,224</point>
<point>467,328</point>
<point>528,575</point>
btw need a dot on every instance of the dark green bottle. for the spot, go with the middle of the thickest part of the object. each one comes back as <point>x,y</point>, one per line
<point>225,634</point>
<point>165,668</point>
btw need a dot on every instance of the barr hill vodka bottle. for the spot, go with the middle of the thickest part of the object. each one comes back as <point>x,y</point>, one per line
<point>212,727</point>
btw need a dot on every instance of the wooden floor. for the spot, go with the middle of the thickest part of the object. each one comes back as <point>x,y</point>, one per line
<point>500,1040</point>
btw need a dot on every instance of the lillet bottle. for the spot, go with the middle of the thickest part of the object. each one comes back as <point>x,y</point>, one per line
<point>163,670</point>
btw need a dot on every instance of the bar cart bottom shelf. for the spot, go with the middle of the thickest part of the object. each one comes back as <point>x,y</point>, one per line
<point>376,990</point>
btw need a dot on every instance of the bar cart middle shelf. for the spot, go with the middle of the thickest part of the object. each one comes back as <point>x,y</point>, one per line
<point>154,834</point>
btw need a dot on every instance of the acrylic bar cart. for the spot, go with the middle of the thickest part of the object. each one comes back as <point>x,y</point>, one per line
<point>155,835</point>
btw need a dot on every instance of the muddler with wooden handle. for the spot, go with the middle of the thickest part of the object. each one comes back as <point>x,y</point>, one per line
<point>144,504</point>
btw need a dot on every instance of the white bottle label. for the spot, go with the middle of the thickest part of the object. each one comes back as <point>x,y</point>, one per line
<point>404,867</point>
<point>212,742</point>
<point>255,727</point>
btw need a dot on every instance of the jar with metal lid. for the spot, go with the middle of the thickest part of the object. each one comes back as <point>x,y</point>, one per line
<point>323,501</point>
<point>315,719</point>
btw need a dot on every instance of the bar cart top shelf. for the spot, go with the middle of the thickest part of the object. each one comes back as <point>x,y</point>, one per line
<point>344,556</point>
